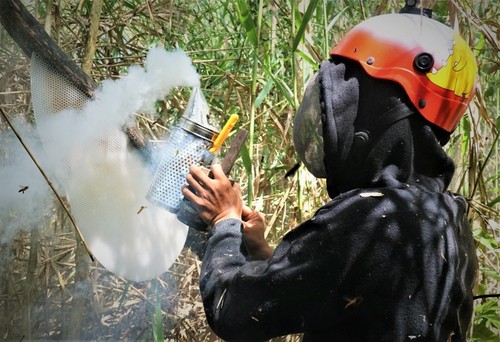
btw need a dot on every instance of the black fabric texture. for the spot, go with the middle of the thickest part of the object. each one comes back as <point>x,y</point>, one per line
<point>389,258</point>
<point>354,102</point>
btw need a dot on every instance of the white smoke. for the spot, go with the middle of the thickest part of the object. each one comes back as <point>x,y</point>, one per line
<point>24,193</point>
<point>87,152</point>
<point>115,102</point>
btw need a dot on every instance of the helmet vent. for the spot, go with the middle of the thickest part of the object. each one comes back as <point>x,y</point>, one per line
<point>423,62</point>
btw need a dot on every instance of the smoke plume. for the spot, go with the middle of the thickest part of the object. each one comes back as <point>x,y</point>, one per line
<point>86,151</point>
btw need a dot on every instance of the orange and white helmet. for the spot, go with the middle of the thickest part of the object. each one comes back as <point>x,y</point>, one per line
<point>433,64</point>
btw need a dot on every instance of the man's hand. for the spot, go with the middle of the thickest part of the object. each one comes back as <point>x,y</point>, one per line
<point>254,227</point>
<point>214,199</point>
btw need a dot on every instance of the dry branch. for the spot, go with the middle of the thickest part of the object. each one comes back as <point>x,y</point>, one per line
<point>93,30</point>
<point>49,182</point>
<point>31,37</point>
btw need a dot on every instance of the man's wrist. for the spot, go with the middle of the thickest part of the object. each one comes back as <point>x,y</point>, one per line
<point>227,225</point>
<point>226,216</point>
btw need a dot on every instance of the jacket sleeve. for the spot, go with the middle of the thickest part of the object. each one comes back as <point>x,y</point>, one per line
<point>256,300</point>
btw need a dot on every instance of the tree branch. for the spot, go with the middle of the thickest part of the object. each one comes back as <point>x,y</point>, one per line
<point>31,37</point>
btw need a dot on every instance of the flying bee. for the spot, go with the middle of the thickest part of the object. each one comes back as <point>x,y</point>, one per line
<point>141,209</point>
<point>23,188</point>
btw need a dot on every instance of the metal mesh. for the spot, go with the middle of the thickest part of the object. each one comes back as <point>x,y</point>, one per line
<point>308,129</point>
<point>180,151</point>
<point>52,92</point>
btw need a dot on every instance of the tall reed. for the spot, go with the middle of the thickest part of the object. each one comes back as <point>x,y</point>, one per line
<point>254,58</point>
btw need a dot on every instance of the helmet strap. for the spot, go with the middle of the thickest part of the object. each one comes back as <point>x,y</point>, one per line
<point>370,132</point>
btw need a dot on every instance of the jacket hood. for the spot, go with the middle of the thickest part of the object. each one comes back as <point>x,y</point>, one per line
<point>374,137</point>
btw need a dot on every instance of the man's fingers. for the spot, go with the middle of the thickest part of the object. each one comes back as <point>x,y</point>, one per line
<point>214,199</point>
<point>246,210</point>
<point>190,196</point>
<point>237,188</point>
<point>199,174</point>
<point>217,171</point>
<point>197,187</point>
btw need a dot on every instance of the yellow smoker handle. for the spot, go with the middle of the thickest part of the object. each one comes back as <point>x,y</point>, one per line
<point>224,133</point>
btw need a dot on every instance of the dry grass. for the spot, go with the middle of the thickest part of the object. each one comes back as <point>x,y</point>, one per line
<point>38,286</point>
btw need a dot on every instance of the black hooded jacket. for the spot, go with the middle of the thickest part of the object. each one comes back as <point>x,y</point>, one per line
<point>389,258</point>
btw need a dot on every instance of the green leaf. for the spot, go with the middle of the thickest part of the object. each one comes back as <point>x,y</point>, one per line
<point>486,319</point>
<point>304,22</point>
<point>465,129</point>
<point>491,273</point>
<point>484,239</point>
<point>158,324</point>
<point>247,162</point>
<point>480,45</point>
<point>336,18</point>
<point>247,21</point>
<point>262,95</point>
<point>493,319</point>
<point>493,202</point>
<point>308,59</point>
<point>285,90</point>
<point>483,334</point>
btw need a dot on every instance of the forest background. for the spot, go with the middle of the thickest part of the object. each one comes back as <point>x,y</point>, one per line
<point>254,59</point>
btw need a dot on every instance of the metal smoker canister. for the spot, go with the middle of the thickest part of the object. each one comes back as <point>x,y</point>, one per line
<point>187,214</point>
<point>187,144</point>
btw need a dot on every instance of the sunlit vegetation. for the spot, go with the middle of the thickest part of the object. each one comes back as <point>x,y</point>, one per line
<point>254,58</point>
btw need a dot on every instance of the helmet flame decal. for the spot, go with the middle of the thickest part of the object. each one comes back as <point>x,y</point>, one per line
<point>394,42</point>
<point>458,72</point>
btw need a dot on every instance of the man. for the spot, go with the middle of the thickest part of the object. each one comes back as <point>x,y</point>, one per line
<point>391,256</point>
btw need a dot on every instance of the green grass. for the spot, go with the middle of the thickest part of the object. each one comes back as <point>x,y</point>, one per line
<point>254,58</point>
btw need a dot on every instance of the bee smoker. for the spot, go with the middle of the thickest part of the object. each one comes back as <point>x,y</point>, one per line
<point>191,141</point>
<point>188,143</point>
<point>187,214</point>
